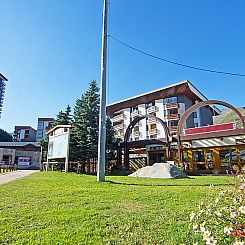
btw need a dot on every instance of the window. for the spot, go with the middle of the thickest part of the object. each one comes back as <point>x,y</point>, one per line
<point>209,156</point>
<point>194,114</point>
<point>153,126</point>
<point>149,104</point>
<point>228,155</point>
<point>173,111</point>
<point>135,108</point>
<point>170,100</point>
<point>242,155</point>
<point>136,129</point>
<point>198,156</point>
<point>173,123</point>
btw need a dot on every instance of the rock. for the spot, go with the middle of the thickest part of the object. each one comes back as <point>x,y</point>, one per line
<point>160,170</point>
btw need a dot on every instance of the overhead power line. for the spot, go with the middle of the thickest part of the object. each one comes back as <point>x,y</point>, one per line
<point>173,62</point>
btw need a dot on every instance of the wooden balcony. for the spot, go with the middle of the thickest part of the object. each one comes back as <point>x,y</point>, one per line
<point>173,116</point>
<point>136,134</point>
<point>152,109</point>
<point>172,105</point>
<point>153,131</point>
<point>118,118</point>
<point>118,126</point>
<point>152,120</point>
<point>173,128</point>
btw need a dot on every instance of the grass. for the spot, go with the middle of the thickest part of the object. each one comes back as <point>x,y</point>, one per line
<point>60,208</point>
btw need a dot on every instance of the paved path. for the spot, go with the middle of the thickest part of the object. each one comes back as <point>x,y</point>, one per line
<point>10,176</point>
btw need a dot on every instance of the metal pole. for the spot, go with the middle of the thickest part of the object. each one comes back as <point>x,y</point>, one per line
<point>67,151</point>
<point>102,115</point>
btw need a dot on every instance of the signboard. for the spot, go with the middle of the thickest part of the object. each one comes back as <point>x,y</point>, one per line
<point>58,146</point>
<point>24,161</point>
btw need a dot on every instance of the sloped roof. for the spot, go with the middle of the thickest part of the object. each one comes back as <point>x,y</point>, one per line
<point>177,89</point>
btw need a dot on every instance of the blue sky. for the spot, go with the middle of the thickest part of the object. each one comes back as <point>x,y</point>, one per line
<point>50,50</point>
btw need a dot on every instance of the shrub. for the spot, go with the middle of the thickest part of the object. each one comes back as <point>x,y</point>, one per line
<point>222,221</point>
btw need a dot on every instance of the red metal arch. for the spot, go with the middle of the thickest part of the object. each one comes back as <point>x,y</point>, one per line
<point>129,131</point>
<point>195,107</point>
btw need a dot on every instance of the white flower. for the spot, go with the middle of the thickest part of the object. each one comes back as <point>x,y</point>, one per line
<point>206,235</point>
<point>218,214</point>
<point>238,243</point>
<point>227,230</point>
<point>224,209</point>
<point>211,241</point>
<point>242,209</point>
<point>216,200</point>
<point>202,227</point>
<point>192,216</point>
<point>233,215</point>
<point>222,193</point>
<point>195,227</point>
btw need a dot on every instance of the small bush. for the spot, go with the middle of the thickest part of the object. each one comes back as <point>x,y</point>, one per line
<point>222,221</point>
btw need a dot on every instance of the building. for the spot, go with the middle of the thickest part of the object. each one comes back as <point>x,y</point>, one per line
<point>3,80</point>
<point>43,126</point>
<point>146,142</point>
<point>26,155</point>
<point>214,149</point>
<point>24,134</point>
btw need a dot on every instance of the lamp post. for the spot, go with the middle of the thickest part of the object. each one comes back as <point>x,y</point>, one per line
<point>102,115</point>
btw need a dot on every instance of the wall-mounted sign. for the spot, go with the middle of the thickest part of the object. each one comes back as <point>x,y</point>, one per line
<point>24,161</point>
<point>57,146</point>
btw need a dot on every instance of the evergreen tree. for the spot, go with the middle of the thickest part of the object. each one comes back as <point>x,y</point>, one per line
<point>84,134</point>
<point>5,137</point>
<point>110,140</point>
<point>63,118</point>
<point>86,124</point>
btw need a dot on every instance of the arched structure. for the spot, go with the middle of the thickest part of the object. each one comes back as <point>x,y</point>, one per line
<point>129,131</point>
<point>195,107</point>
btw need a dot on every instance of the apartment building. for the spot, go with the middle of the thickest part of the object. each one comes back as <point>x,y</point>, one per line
<point>24,134</point>
<point>168,103</point>
<point>43,126</point>
<point>146,142</point>
<point>3,81</point>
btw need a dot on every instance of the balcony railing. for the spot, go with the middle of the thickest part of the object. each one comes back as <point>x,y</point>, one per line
<point>152,109</point>
<point>172,105</point>
<point>117,118</point>
<point>152,120</point>
<point>136,134</point>
<point>153,131</point>
<point>118,126</point>
<point>173,128</point>
<point>173,116</point>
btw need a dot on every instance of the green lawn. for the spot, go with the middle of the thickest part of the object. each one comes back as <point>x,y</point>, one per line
<point>60,208</point>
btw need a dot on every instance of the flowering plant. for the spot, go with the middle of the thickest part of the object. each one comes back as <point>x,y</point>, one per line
<point>222,221</point>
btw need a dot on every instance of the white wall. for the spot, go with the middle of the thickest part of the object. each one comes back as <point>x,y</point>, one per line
<point>160,114</point>
<point>142,123</point>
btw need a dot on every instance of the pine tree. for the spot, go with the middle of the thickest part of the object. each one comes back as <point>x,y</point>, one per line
<point>86,124</point>
<point>110,141</point>
<point>5,137</point>
<point>84,136</point>
<point>63,118</point>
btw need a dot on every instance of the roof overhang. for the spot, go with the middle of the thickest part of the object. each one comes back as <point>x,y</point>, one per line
<point>184,88</point>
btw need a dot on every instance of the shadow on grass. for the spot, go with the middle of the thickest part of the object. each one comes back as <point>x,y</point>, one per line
<point>167,184</point>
